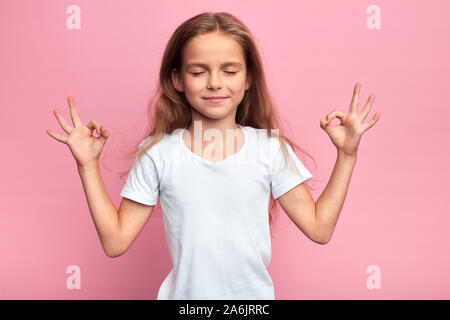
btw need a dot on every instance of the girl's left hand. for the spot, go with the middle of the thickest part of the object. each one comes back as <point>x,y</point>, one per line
<point>347,134</point>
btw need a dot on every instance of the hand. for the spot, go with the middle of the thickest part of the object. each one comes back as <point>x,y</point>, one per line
<point>85,148</point>
<point>347,135</point>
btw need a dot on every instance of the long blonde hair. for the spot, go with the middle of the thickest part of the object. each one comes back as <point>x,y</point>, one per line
<point>169,110</point>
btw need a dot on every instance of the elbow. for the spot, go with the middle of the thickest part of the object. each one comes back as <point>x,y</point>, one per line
<point>323,239</point>
<point>110,255</point>
<point>323,233</point>
<point>113,252</point>
<point>113,248</point>
<point>319,239</point>
<point>323,242</point>
<point>326,239</point>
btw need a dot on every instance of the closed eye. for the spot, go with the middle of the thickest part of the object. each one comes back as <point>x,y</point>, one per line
<point>198,73</point>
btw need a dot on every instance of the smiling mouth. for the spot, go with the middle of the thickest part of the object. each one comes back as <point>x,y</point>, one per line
<point>216,100</point>
<point>215,97</point>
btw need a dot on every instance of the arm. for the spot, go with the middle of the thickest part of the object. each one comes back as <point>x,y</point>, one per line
<point>346,138</point>
<point>103,212</point>
<point>331,201</point>
<point>318,220</point>
<point>117,230</point>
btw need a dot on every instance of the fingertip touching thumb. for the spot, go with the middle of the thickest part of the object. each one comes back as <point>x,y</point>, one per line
<point>105,132</point>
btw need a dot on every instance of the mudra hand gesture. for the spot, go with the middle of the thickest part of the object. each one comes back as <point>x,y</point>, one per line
<point>85,148</point>
<point>347,135</point>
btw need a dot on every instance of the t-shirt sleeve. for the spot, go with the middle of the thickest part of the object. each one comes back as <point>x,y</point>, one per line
<point>283,176</point>
<point>142,184</point>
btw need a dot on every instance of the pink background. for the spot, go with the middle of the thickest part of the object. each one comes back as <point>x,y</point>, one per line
<point>396,214</point>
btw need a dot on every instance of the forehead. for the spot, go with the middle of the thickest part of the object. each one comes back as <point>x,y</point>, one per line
<point>212,49</point>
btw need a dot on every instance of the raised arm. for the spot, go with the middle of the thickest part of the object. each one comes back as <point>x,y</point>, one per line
<point>318,219</point>
<point>116,229</point>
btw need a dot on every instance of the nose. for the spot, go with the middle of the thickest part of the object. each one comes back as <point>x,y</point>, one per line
<point>214,81</point>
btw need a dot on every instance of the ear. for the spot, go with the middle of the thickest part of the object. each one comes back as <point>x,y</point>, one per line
<point>248,82</point>
<point>176,81</point>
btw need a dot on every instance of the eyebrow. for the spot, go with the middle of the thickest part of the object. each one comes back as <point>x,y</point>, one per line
<point>196,64</point>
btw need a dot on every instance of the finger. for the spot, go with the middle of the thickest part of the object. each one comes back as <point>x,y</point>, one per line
<point>66,127</point>
<point>323,123</point>
<point>73,112</point>
<point>93,124</point>
<point>355,98</point>
<point>366,109</point>
<point>368,125</point>
<point>103,133</point>
<point>335,114</point>
<point>57,136</point>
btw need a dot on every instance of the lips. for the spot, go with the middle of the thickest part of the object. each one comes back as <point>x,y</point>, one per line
<point>215,97</point>
<point>216,100</point>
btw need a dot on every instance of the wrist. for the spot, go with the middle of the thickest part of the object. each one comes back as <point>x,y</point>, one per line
<point>347,156</point>
<point>92,166</point>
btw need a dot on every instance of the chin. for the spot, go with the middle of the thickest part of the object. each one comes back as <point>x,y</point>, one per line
<point>214,112</point>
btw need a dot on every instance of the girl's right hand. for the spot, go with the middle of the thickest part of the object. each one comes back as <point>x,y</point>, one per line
<point>85,148</point>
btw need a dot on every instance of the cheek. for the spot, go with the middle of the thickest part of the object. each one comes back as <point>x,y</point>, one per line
<point>194,85</point>
<point>237,85</point>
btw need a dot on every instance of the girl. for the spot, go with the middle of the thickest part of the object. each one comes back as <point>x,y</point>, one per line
<point>214,201</point>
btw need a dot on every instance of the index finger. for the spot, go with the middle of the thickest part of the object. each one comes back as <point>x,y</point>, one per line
<point>73,112</point>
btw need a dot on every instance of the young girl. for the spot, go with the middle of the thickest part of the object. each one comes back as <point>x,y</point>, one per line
<point>214,193</point>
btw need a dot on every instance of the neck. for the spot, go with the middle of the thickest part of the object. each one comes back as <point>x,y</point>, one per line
<point>200,124</point>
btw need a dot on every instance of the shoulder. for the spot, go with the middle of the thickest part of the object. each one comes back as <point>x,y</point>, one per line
<point>164,141</point>
<point>267,139</point>
<point>264,143</point>
<point>160,149</point>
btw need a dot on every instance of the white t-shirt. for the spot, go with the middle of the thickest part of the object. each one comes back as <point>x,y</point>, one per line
<point>215,214</point>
